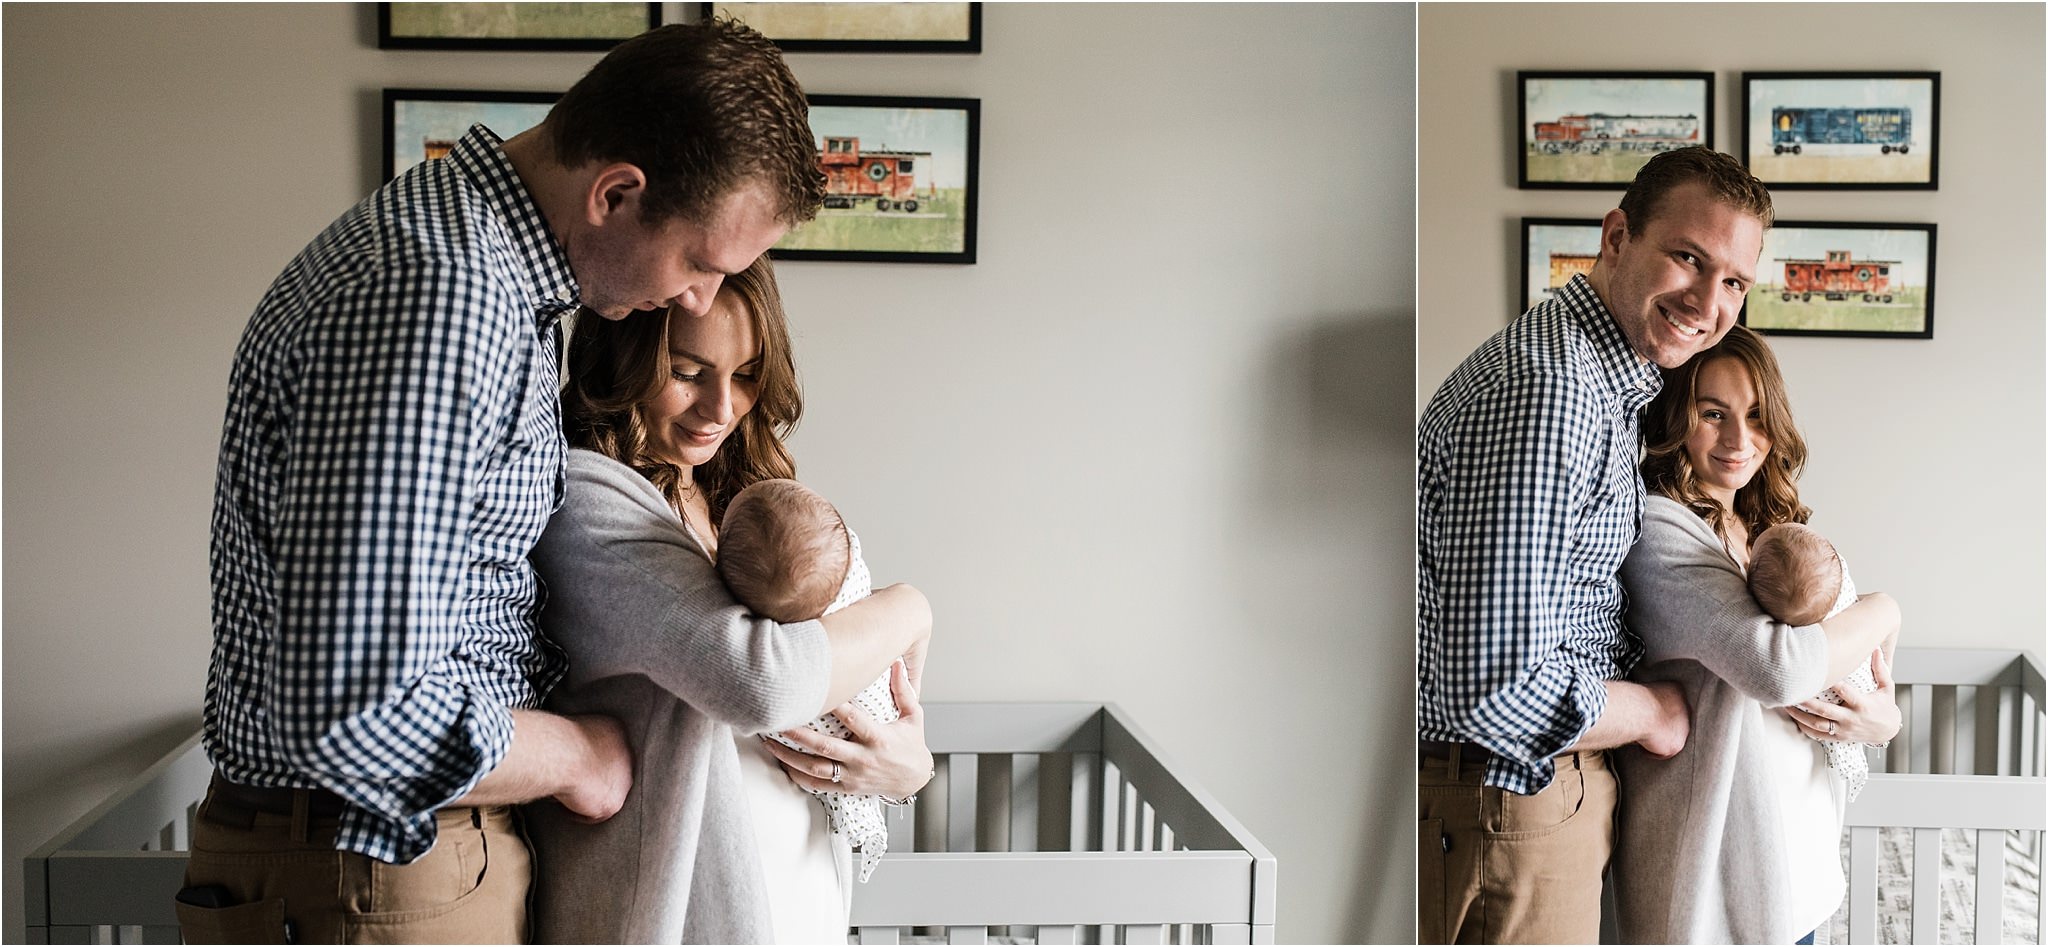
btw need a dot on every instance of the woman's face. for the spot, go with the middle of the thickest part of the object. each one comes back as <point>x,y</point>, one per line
<point>714,377</point>
<point>1728,443</point>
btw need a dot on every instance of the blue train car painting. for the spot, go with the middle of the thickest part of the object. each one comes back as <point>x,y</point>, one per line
<point>1792,129</point>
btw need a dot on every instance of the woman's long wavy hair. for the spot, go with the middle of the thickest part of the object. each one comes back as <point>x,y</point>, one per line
<point>1772,495</point>
<point>617,367</point>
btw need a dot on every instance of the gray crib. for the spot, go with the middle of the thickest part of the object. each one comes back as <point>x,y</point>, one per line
<point>1944,844</point>
<point>1049,823</point>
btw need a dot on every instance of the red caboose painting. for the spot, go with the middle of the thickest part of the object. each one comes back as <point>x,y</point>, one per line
<point>1838,277</point>
<point>888,178</point>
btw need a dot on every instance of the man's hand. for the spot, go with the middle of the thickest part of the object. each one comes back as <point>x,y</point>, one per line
<point>1652,715</point>
<point>583,762</point>
<point>1671,722</point>
<point>606,772</point>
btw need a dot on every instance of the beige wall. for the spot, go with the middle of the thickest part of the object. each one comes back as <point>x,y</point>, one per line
<point>1926,456</point>
<point>1154,448</point>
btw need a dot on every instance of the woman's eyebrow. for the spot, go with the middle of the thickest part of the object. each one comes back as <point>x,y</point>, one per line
<point>676,352</point>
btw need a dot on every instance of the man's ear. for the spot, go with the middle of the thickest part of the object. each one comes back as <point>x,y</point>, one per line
<point>616,188</point>
<point>1613,230</point>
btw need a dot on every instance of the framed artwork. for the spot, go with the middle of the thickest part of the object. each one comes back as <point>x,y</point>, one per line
<point>1593,130</point>
<point>1842,130</point>
<point>423,124</point>
<point>1864,280</point>
<point>1554,250</point>
<point>900,180</point>
<point>545,26</point>
<point>861,27</point>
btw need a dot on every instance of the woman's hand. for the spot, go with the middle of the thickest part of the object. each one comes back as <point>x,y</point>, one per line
<point>882,759</point>
<point>1860,718</point>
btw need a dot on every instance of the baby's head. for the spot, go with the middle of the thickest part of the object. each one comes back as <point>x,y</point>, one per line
<point>782,549</point>
<point>1794,573</point>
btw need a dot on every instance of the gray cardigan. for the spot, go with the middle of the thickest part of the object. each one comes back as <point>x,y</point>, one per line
<point>655,640</point>
<point>1700,857</point>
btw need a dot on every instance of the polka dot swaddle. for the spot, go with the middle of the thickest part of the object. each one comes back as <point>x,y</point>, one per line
<point>1848,758</point>
<point>857,819</point>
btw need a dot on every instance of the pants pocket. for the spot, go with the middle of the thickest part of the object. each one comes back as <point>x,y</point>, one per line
<point>258,922</point>
<point>1512,814</point>
<point>1431,884</point>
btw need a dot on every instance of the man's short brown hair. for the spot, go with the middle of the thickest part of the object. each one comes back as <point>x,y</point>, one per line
<point>1724,177</point>
<point>702,108</point>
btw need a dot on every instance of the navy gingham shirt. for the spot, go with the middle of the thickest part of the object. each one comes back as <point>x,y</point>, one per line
<point>1528,500</point>
<point>391,452</point>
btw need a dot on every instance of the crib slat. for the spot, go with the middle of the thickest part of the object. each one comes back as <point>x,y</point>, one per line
<point>1898,758</point>
<point>1024,803</point>
<point>1993,723</point>
<point>880,935</point>
<point>1085,803</point>
<point>1127,823</point>
<point>932,806</point>
<point>1112,804</point>
<point>1990,886</point>
<point>1863,885</point>
<point>1941,737</point>
<point>961,795</point>
<point>1144,934</point>
<point>1148,823</point>
<point>1926,886</point>
<point>992,804</point>
<point>1056,934</point>
<point>967,935</point>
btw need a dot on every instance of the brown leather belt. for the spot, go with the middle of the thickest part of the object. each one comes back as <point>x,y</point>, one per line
<point>234,804</point>
<point>1471,753</point>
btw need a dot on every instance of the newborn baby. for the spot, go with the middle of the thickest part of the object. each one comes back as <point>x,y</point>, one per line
<point>785,553</point>
<point>1797,576</point>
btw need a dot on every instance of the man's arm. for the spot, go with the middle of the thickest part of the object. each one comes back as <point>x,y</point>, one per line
<point>385,436</point>
<point>1653,715</point>
<point>1522,459</point>
<point>582,762</point>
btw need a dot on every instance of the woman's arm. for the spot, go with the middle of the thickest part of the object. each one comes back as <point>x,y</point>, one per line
<point>1858,630</point>
<point>894,622</point>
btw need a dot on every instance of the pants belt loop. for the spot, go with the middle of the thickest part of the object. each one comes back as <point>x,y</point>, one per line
<point>1457,751</point>
<point>301,803</point>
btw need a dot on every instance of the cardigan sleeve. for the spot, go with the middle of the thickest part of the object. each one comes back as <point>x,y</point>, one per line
<point>630,593</point>
<point>1688,600</point>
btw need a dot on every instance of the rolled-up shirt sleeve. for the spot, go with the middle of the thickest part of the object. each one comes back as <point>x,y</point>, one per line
<point>374,536</point>
<point>1508,524</point>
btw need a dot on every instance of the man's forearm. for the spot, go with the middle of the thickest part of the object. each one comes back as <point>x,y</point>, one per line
<point>1654,715</point>
<point>583,762</point>
<point>869,634</point>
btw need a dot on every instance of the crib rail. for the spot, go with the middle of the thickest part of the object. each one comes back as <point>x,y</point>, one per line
<point>1046,823</point>
<point>1968,759</point>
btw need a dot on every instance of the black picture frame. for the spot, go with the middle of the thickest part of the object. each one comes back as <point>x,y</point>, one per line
<point>1805,289</point>
<point>971,43</point>
<point>1842,131</point>
<point>1540,234</point>
<point>1573,143</point>
<point>456,123</point>
<point>893,203</point>
<point>386,39</point>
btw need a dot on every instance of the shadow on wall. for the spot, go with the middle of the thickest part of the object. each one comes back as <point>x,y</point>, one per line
<point>33,816</point>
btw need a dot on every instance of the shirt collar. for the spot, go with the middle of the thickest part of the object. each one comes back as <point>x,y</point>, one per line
<point>1632,378</point>
<point>480,156</point>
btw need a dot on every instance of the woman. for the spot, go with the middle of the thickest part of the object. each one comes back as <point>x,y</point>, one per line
<point>669,416</point>
<point>1735,839</point>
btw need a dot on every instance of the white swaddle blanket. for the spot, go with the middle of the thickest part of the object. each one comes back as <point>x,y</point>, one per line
<point>1848,758</point>
<point>857,819</point>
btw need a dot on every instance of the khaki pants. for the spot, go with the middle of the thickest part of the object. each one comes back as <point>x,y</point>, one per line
<point>284,884</point>
<point>1495,867</point>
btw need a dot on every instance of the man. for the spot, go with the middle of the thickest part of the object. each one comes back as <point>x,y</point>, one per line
<point>391,452</point>
<point>1529,499</point>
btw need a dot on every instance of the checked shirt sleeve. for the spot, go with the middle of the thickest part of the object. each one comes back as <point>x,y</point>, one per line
<point>1502,563</point>
<point>374,515</point>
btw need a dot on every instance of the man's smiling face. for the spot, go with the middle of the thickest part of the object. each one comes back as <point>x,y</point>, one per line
<point>1676,287</point>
